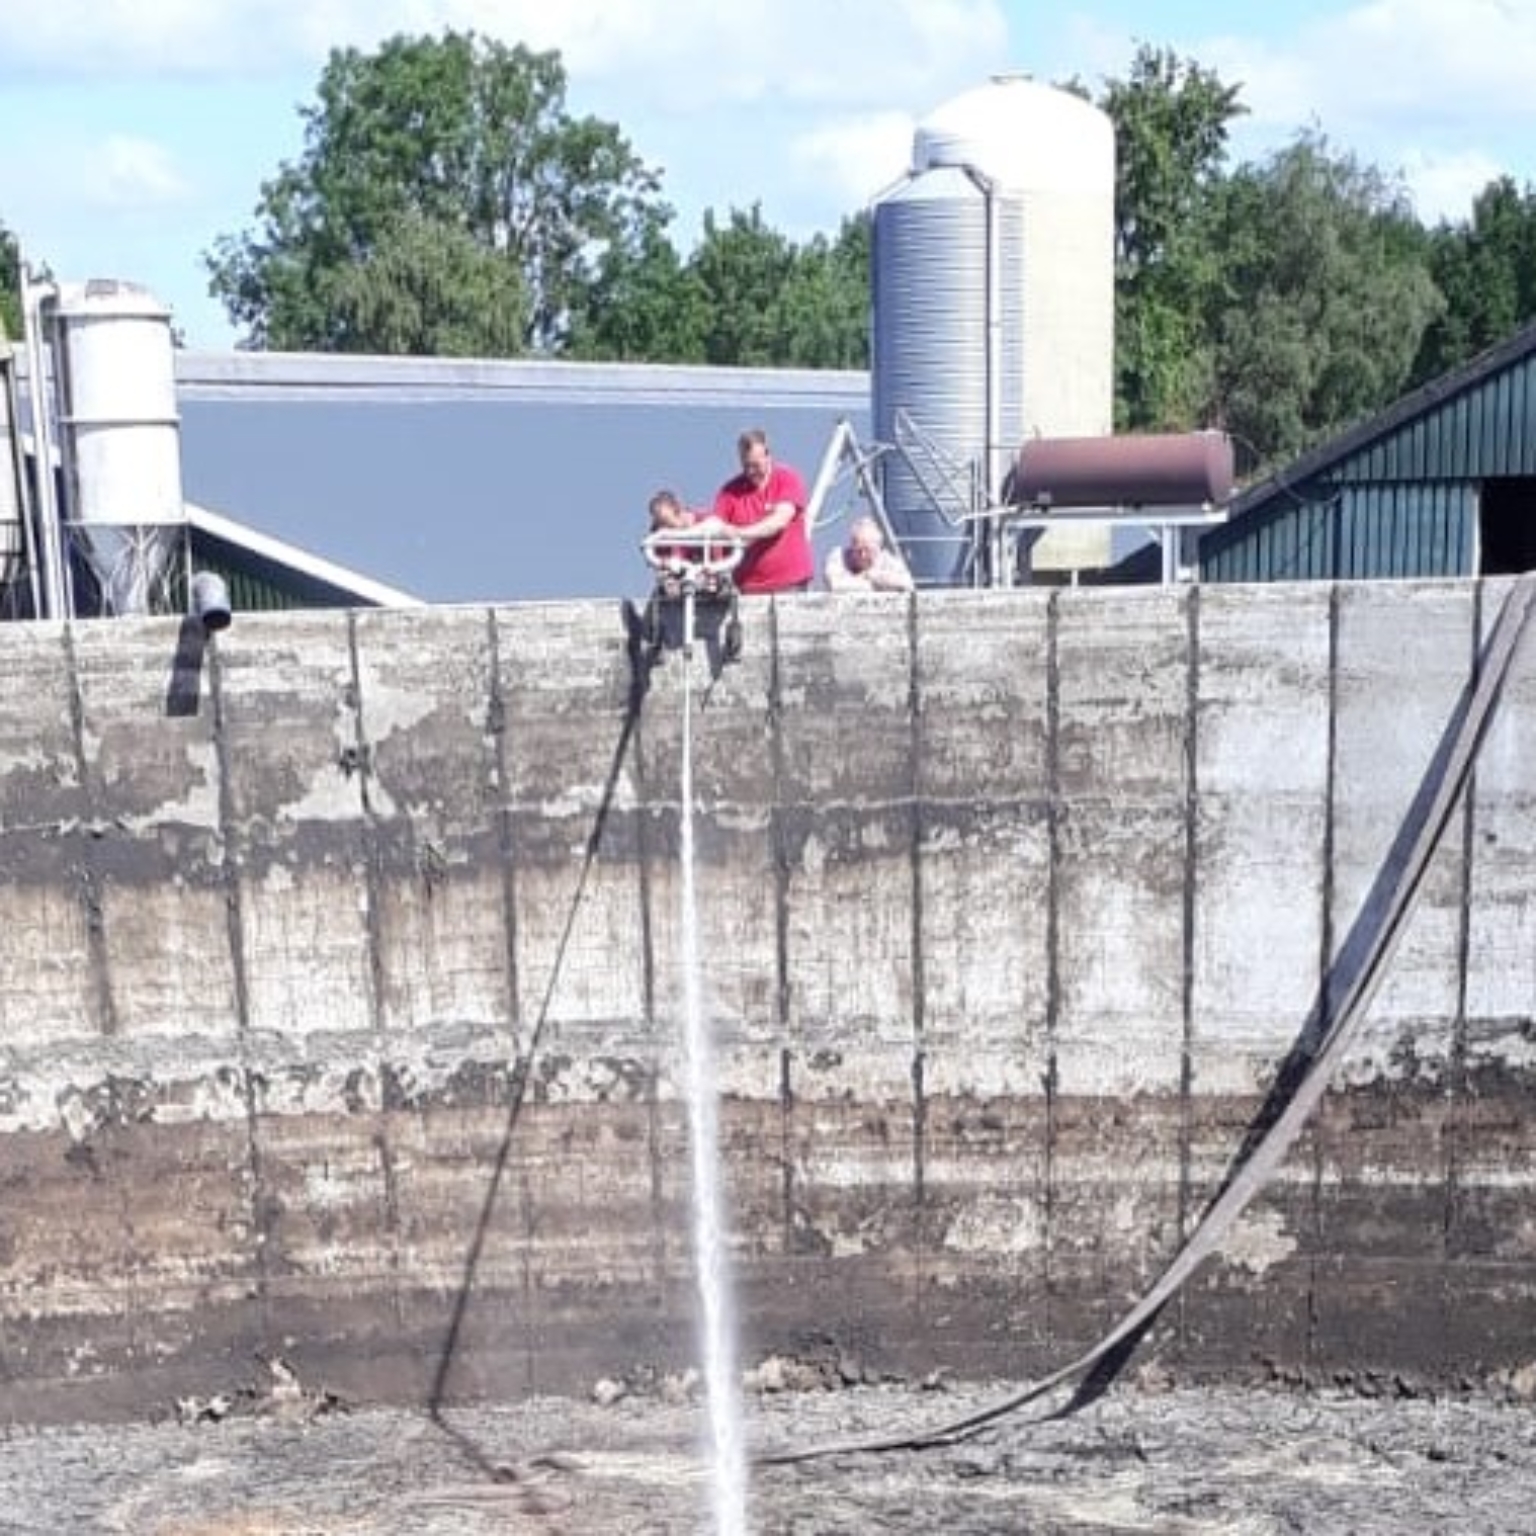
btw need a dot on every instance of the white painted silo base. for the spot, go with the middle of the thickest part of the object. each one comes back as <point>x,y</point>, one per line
<point>1064,550</point>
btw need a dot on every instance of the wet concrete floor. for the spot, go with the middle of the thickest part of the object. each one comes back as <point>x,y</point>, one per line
<point>1241,1463</point>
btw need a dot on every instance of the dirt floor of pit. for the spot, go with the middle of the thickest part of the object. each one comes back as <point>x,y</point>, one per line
<point>1174,1461</point>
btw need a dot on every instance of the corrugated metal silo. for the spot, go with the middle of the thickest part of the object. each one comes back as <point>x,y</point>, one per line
<point>993,297</point>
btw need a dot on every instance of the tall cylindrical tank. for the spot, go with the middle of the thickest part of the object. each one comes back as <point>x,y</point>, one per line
<point>992,278</point>
<point>119,437</point>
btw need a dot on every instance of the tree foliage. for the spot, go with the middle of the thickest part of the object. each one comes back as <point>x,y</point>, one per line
<point>743,267</point>
<point>641,306</point>
<point>1172,120</point>
<point>431,163</point>
<point>1324,296</point>
<point>747,296</point>
<point>824,308</point>
<point>10,283</point>
<point>446,202</point>
<point>1485,268</point>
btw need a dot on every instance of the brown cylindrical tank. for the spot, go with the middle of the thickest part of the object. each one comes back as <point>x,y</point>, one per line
<point>1136,470</point>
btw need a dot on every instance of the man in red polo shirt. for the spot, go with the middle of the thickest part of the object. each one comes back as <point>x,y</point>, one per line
<point>765,505</point>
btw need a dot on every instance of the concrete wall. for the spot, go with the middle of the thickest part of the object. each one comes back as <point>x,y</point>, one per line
<point>340,994</point>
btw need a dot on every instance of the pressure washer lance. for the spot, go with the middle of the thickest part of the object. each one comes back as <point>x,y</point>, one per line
<point>691,564</point>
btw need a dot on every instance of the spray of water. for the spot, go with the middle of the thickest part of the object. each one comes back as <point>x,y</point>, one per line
<point>728,1466</point>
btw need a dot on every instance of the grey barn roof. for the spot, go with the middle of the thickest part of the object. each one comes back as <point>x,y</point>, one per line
<point>467,481</point>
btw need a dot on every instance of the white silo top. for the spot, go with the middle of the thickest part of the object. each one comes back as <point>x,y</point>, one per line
<point>108,298</point>
<point>1022,135</point>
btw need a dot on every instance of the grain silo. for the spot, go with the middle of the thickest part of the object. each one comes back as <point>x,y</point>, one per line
<point>993,295</point>
<point>120,442</point>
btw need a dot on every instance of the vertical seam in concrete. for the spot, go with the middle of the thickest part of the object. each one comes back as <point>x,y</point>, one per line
<point>1325,958</point>
<point>234,922</point>
<point>372,895</point>
<point>780,857</point>
<point>371,855</point>
<point>527,1250</point>
<point>1456,1068</point>
<point>1052,938</point>
<point>497,725</point>
<point>646,895</point>
<point>520,1070</point>
<point>1326,948</point>
<point>786,1149</point>
<point>643,856</point>
<point>1188,916</point>
<point>915,804</point>
<point>778,815</point>
<point>91,890</point>
<point>1191,858</point>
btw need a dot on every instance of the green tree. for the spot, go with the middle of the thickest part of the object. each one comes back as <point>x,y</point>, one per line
<point>742,267</point>
<point>431,163</point>
<point>1324,298</point>
<point>642,305</point>
<point>766,302</point>
<point>823,308</point>
<point>427,288</point>
<point>747,297</point>
<point>10,283</point>
<point>1486,271</point>
<point>1172,120</point>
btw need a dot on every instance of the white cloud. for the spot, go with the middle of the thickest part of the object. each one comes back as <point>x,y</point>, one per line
<point>749,50</point>
<point>857,158</point>
<point>1444,186</point>
<point>1427,59</point>
<point>70,181</point>
<point>1390,61</point>
<point>126,38</point>
<point>126,173</point>
<point>1440,94</point>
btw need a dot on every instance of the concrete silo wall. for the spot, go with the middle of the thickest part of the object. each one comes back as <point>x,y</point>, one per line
<point>339,1001</point>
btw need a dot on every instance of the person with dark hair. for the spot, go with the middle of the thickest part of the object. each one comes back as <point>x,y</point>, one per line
<point>688,557</point>
<point>764,505</point>
<point>698,565</point>
<point>667,512</point>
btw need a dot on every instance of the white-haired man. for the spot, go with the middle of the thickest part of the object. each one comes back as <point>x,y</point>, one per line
<point>864,564</point>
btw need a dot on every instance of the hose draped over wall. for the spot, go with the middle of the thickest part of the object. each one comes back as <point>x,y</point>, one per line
<point>1380,925</point>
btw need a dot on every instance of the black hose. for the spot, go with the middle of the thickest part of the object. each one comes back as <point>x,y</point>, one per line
<point>1386,911</point>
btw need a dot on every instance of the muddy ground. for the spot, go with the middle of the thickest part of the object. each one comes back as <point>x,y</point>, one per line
<point>1137,1460</point>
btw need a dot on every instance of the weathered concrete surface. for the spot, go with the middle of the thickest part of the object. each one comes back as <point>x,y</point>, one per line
<point>1206,1462</point>
<point>340,997</point>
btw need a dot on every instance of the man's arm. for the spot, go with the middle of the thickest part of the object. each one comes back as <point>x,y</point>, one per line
<point>772,523</point>
<point>890,574</point>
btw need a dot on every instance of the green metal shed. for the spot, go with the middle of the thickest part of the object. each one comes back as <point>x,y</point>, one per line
<point>1443,483</point>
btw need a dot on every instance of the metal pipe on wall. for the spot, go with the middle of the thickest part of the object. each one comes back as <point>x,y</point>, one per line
<point>57,590</point>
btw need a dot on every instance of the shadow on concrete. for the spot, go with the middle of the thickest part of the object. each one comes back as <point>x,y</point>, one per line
<point>662,627</point>
<point>183,690</point>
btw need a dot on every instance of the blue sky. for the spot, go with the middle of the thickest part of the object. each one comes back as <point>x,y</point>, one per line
<point>138,131</point>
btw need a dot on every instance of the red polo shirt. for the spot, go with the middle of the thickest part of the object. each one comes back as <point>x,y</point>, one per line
<point>783,561</point>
